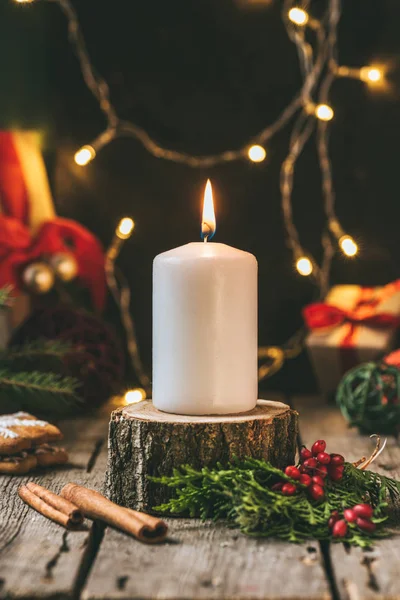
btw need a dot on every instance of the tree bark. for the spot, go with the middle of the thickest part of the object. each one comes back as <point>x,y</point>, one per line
<point>146,442</point>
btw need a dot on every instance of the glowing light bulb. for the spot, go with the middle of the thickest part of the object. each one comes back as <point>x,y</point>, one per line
<point>256,153</point>
<point>125,228</point>
<point>84,155</point>
<point>134,396</point>
<point>348,245</point>
<point>324,112</point>
<point>304,266</point>
<point>298,16</point>
<point>370,74</point>
<point>23,1</point>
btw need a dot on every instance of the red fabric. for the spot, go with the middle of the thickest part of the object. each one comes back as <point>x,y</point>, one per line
<point>13,192</point>
<point>18,248</point>
<point>393,359</point>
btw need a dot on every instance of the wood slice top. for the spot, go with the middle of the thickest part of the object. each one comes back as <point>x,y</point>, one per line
<point>145,411</point>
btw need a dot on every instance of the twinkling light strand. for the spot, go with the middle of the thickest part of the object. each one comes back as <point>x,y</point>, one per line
<point>120,291</point>
<point>319,68</point>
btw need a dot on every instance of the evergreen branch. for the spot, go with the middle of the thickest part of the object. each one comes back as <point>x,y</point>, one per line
<point>38,392</point>
<point>242,494</point>
<point>48,353</point>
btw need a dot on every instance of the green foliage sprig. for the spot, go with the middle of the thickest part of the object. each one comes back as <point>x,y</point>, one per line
<point>241,494</point>
<point>31,377</point>
<point>41,393</point>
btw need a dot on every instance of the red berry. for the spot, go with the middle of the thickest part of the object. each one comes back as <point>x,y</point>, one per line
<point>289,489</point>
<point>336,473</point>
<point>333,518</point>
<point>317,492</point>
<point>366,525</point>
<point>277,487</point>
<point>322,470</point>
<point>305,453</point>
<point>318,446</point>
<point>350,515</point>
<point>323,458</point>
<point>302,469</point>
<point>310,463</point>
<point>365,511</point>
<point>318,480</point>
<point>292,472</point>
<point>339,529</point>
<point>305,479</point>
<point>337,460</point>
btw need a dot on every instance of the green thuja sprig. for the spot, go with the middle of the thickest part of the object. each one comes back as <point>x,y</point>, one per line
<point>241,494</point>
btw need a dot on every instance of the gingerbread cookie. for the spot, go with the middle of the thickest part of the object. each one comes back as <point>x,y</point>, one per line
<point>19,464</point>
<point>47,456</point>
<point>26,461</point>
<point>21,431</point>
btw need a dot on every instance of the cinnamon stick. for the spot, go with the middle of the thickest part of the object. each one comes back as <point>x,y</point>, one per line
<point>145,528</point>
<point>57,502</point>
<point>45,509</point>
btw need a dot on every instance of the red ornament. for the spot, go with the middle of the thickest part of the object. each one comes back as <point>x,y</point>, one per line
<point>292,472</point>
<point>365,525</point>
<point>363,510</point>
<point>305,453</point>
<point>318,446</point>
<point>349,515</point>
<point>318,480</point>
<point>317,492</point>
<point>289,489</point>
<point>336,473</point>
<point>339,529</point>
<point>333,518</point>
<point>310,463</point>
<point>323,458</point>
<point>337,460</point>
<point>305,479</point>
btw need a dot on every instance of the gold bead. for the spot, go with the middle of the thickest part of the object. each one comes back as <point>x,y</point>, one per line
<point>38,277</point>
<point>65,266</point>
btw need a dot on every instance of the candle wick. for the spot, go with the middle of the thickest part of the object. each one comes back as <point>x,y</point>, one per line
<point>205,239</point>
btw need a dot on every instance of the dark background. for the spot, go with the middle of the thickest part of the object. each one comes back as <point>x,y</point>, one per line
<point>202,76</point>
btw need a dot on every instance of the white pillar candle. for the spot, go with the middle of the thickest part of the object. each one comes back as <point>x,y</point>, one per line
<point>205,330</point>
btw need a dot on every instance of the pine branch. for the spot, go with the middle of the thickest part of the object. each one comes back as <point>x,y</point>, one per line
<point>47,354</point>
<point>38,392</point>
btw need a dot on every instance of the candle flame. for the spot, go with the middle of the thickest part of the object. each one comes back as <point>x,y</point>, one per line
<point>208,224</point>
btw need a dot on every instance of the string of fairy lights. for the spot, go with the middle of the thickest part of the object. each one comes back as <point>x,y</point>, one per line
<point>309,113</point>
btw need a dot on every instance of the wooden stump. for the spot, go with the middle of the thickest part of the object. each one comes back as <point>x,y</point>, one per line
<point>144,441</point>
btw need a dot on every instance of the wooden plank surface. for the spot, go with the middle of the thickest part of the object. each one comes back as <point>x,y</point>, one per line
<point>206,561</point>
<point>358,575</point>
<point>38,558</point>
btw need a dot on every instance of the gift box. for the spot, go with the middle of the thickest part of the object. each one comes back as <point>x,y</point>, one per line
<point>352,326</point>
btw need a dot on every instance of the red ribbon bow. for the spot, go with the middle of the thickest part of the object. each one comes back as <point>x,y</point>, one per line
<point>18,248</point>
<point>319,316</point>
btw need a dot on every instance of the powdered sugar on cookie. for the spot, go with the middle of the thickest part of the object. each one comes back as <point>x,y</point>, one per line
<point>18,419</point>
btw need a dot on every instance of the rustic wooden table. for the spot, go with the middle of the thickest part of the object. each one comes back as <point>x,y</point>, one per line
<point>201,561</point>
